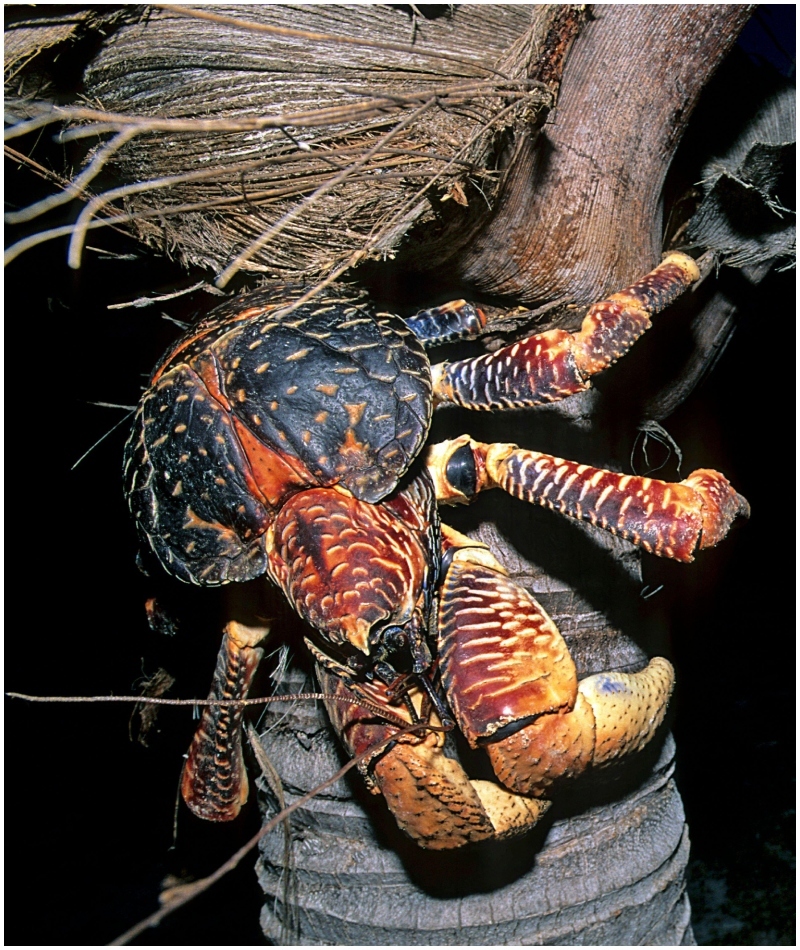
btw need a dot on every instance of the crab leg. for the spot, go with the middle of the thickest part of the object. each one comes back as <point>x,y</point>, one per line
<point>456,320</point>
<point>430,795</point>
<point>512,684</point>
<point>550,366</point>
<point>214,782</point>
<point>665,518</point>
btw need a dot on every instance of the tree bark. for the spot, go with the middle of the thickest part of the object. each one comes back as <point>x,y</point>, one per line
<point>581,208</point>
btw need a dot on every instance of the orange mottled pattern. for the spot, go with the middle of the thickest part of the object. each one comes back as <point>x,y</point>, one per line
<point>502,658</point>
<point>612,326</point>
<point>346,565</point>
<point>270,475</point>
<point>608,331</point>
<point>664,284</point>
<point>431,798</point>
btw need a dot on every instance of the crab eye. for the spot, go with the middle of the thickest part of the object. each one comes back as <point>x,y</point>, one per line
<point>394,638</point>
<point>460,471</point>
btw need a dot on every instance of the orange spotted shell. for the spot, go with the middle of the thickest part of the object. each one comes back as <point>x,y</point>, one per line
<point>258,401</point>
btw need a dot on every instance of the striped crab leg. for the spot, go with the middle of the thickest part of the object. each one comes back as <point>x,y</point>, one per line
<point>550,366</point>
<point>214,782</point>
<point>669,519</point>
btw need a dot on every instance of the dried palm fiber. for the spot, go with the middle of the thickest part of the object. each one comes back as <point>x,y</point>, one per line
<point>346,145</point>
<point>25,40</point>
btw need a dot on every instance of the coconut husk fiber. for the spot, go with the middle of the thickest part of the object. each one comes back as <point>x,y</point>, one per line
<point>291,140</point>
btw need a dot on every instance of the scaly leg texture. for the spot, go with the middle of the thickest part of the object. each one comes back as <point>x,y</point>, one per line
<point>550,366</point>
<point>669,519</point>
<point>513,688</point>
<point>214,782</point>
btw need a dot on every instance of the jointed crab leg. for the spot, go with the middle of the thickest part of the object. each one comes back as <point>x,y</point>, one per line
<point>513,688</point>
<point>430,795</point>
<point>665,518</point>
<point>456,320</point>
<point>550,366</point>
<point>214,782</point>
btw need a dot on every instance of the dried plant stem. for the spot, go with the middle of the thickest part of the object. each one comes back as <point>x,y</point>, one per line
<point>218,174</point>
<point>78,185</point>
<point>260,701</point>
<point>189,891</point>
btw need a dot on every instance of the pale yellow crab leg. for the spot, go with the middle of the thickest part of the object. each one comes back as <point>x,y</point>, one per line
<point>670,519</point>
<point>214,782</point>
<point>549,366</point>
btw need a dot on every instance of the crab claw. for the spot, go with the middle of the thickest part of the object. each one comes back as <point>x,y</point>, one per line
<point>429,794</point>
<point>512,687</point>
<point>511,682</point>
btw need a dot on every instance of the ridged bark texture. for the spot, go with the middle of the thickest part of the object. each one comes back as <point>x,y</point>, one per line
<point>609,875</point>
<point>632,80</point>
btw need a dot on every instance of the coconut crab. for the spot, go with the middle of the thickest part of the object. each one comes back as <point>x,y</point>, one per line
<point>281,438</point>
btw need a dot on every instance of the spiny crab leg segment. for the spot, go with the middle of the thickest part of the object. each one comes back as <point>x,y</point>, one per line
<point>513,687</point>
<point>665,518</point>
<point>550,366</point>
<point>214,782</point>
<point>430,795</point>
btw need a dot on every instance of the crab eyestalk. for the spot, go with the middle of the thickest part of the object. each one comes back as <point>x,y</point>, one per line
<point>214,782</point>
<point>669,519</point>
